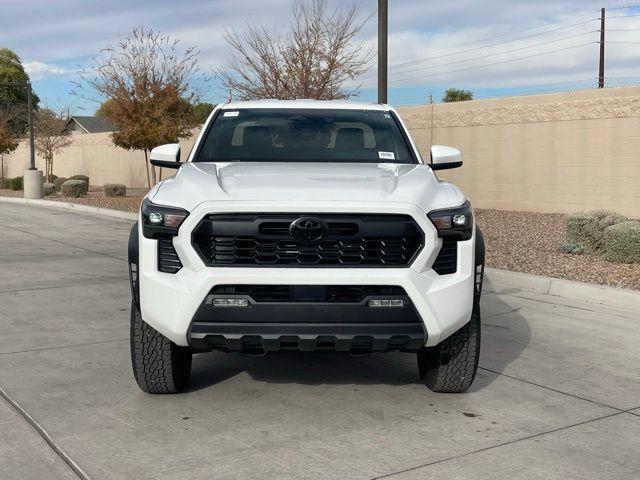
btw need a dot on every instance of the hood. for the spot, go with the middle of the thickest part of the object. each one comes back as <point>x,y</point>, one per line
<point>290,182</point>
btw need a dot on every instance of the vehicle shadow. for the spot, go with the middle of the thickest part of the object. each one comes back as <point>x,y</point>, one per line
<point>505,334</point>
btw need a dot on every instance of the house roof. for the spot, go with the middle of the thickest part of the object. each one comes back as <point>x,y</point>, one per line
<point>92,124</point>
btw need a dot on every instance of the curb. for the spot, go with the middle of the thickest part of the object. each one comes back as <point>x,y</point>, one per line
<point>495,280</point>
<point>610,296</point>
<point>75,207</point>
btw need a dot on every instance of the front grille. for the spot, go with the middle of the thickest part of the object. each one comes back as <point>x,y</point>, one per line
<point>168,260</point>
<point>350,241</point>
<point>447,260</point>
<point>308,293</point>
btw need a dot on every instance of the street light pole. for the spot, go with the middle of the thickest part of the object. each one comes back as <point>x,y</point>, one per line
<point>32,150</point>
<point>382,49</point>
<point>32,178</point>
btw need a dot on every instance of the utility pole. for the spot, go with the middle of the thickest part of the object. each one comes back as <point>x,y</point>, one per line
<point>383,11</point>
<point>431,103</point>
<point>601,69</point>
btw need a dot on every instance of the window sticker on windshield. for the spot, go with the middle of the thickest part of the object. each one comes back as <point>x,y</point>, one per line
<point>234,113</point>
<point>387,155</point>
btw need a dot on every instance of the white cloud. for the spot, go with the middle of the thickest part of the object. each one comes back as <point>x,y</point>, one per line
<point>39,70</point>
<point>69,34</point>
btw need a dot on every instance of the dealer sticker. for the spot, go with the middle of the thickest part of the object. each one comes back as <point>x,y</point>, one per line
<point>386,155</point>
<point>233,113</point>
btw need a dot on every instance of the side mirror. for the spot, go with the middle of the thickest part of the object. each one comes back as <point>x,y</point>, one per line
<point>444,158</point>
<point>167,156</point>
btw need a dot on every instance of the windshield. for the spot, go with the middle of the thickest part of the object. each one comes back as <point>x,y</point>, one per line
<point>305,135</point>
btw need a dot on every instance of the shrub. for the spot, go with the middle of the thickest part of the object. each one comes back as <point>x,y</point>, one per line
<point>15,183</point>
<point>58,183</point>
<point>84,178</point>
<point>115,190</point>
<point>587,228</point>
<point>52,178</point>
<point>567,246</point>
<point>5,183</point>
<point>48,189</point>
<point>75,188</point>
<point>622,242</point>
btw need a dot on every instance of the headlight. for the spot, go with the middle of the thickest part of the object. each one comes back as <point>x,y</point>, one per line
<point>158,220</point>
<point>453,222</point>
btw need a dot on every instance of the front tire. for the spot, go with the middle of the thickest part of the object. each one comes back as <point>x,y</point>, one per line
<point>159,365</point>
<point>451,366</point>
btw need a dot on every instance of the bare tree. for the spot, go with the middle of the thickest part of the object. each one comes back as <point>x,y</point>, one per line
<point>50,136</point>
<point>147,84</point>
<point>314,58</point>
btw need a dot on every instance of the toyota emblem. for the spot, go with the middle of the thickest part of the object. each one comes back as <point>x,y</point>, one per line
<point>308,229</point>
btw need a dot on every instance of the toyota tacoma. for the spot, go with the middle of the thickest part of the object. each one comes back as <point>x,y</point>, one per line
<point>308,226</point>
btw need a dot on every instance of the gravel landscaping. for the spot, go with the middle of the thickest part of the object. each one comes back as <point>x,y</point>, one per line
<point>528,242</point>
<point>517,241</point>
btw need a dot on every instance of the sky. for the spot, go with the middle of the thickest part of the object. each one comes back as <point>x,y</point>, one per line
<point>494,48</point>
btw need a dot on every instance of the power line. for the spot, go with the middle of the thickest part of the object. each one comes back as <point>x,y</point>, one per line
<point>508,34</point>
<point>494,63</point>
<point>493,44</point>
<point>497,53</point>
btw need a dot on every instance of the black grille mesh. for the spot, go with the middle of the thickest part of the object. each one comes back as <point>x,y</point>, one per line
<point>259,240</point>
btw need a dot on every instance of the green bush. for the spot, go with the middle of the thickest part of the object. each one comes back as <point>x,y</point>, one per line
<point>58,183</point>
<point>84,178</point>
<point>48,189</point>
<point>567,246</point>
<point>115,190</point>
<point>622,242</point>
<point>587,228</point>
<point>15,183</point>
<point>75,188</point>
<point>5,183</point>
<point>52,178</point>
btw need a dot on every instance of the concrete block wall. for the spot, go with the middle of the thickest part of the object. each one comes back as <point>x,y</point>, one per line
<point>94,155</point>
<point>545,153</point>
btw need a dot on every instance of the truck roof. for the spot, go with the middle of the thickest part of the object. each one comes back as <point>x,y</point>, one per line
<point>307,104</point>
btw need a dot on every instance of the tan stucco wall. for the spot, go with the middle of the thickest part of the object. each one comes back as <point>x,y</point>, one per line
<point>94,155</point>
<point>550,153</point>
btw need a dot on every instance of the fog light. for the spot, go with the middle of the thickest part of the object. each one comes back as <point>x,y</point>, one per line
<point>155,218</point>
<point>395,302</point>
<point>230,302</point>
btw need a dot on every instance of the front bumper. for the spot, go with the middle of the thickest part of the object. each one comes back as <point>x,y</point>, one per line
<point>169,302</point>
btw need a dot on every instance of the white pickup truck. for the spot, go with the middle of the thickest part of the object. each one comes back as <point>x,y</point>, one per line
<point>309,226</point>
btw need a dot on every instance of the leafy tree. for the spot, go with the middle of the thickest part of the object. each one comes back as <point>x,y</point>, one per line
<point>148,85</point>
<point>8,140</point>
<point>457,95</point>
<point>201,111</point>
<point>313,58</point>
<point>49,137</point>
<point>14,99</point>
<point>105,110</point>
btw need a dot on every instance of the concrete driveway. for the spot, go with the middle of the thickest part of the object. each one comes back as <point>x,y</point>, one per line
<point>558,394</point>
